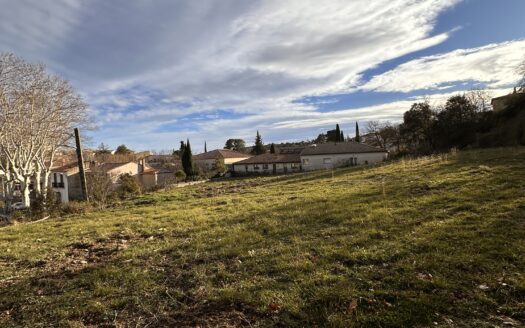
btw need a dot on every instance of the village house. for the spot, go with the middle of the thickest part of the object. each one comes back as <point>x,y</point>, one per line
<point>333,155</point>
<point>269,164</point>
<point>65,180</point>
<point>228,157</point>
<point>314,157</point>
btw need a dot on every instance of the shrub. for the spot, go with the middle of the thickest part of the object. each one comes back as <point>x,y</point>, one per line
<point>128,186</point>
<point>180,175</point>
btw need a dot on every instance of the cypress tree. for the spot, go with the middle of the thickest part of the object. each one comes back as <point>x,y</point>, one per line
<point>342,137</point>
<point>187,160</point>
<point>205,148</point>
<point>337,133</point>
<point>272,149</point>
<point>357,137</point>
<point>258,149</point>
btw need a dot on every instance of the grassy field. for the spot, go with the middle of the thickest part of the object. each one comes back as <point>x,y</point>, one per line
<point>431,242</point>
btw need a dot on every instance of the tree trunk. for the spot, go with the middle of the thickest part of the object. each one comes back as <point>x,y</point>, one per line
<point>25,192</point>
<point>45,186</point>
<point>38,180</point>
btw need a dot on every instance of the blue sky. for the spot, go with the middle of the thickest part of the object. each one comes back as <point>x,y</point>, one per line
<point>157,72</point>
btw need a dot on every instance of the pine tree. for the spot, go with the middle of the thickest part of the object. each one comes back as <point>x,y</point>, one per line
<point>357,137</point>
<point>337,133</point>
<point>342,137</point>
<point>258,149</point>
<point>272,149</point>
<point>205,148</point>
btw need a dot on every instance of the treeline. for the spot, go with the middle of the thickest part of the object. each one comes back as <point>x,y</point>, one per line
<point>465,120</point>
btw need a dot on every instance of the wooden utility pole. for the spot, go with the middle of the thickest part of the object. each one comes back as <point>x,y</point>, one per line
<point>81,172</point>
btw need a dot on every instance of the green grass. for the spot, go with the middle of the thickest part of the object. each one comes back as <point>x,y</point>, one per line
<point>431,242</point>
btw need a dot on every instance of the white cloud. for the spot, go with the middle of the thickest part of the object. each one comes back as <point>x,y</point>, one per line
<point>494,64</point>
<point>145,64</point>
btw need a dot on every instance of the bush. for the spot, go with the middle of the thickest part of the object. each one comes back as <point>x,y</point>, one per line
<point>128,186</point>
<point>180,175</point>
<point>76,208</point>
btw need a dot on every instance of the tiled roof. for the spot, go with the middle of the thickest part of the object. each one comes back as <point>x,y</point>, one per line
<point>270,158</point>
<point>220,153</point>
<point>341,148</point>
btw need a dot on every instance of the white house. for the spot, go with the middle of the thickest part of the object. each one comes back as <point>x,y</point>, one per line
<point>269,164</point>
<point>333,155</point>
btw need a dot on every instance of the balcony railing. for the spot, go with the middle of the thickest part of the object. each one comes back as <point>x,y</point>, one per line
<point>58,185</point>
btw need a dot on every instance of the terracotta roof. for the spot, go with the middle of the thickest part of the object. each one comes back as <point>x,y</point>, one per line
<point>269,158</point>
<point>220,153</point>
<point>341,148</point>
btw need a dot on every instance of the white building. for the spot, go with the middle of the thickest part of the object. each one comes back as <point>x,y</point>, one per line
<point>333,155</point>
<point>269,164</point>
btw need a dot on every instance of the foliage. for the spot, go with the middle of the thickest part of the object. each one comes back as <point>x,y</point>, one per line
<point>123,150</point>
<point>357,136</point>
<point>428,242</point>
<point>128,186</point>
<point>235,144</point>
<point>272,148</point>
<point>180,175</point>
<point>187,159</point>
<point>416,128</point>
<point>258,148</point>
<point>456,124</point>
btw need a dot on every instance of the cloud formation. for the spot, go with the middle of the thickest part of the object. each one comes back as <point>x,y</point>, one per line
<point>494,65</point>
<point>155,72</point>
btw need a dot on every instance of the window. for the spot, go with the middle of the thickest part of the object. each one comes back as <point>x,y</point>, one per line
<point>293,165</point>
<point>327,161</point>
<point>306,161</point>
<point>256,166</point>
<point>246,167</point>
<point>265,166</point>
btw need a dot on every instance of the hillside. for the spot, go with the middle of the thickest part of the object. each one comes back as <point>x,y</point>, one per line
<point>435,242</point>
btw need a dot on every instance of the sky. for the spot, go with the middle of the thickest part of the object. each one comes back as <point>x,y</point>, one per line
<point>157,72</point>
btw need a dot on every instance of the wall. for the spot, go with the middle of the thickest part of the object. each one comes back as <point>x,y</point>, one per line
<point>229,161</point>
<point>148,180</point>
<point>128,168</point>
<point>316,162</point>
<point>279,168</point>
<point>64,192</point>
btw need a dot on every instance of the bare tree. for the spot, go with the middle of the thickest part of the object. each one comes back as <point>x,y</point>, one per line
<point>480,98</point>
<point>37,114</point>
<point>374,128</point>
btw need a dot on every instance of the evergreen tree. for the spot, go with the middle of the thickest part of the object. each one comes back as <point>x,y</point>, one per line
<point>205,148</point>
<point>342,137</point>
<point>337,133</point>
<point>357,137</point>
<point>258,149</point>
<point>187,159</point>
<point>272,149</point>
<point>123,150</point>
